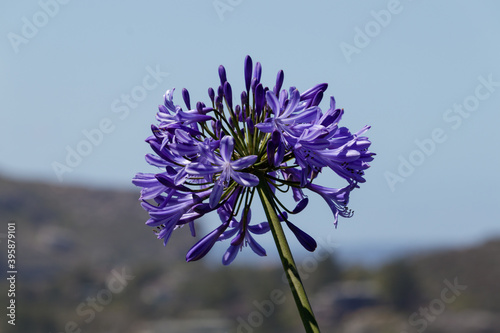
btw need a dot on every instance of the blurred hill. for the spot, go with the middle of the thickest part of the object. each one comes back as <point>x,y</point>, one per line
<point>87,262</point>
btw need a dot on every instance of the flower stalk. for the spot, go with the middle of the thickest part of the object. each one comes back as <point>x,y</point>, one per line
<point>289,266</point>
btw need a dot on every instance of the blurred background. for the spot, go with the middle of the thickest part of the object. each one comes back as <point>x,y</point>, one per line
<point>80,84</point>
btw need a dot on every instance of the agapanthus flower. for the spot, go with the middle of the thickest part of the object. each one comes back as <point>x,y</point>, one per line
<point>213,158</point>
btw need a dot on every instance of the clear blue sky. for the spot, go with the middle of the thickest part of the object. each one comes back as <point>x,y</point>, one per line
<point>425,75</point>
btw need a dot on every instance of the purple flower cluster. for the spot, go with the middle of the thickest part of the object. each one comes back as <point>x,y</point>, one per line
<point>212,158</point>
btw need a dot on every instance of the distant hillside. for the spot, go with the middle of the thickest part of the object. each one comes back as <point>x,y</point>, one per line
<point>70,241</point>
<point>95,226</point>
<point>476,267</point>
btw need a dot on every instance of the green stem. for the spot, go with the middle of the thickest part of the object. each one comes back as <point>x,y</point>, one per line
<point>299,294</point>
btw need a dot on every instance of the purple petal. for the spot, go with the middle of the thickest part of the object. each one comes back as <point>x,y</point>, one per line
<point>244,162</point>
<point>273,103</point>
<point>151,188</point>
<point>230,254</point>
<point>245,179</point>
<point>332,103</point>
<point>180,177</point>
<point>363,130</point>
<point>168,100</point>
<point>168,182</point>
<point>216,194</point>
<point>266,127</point>
<point>188,218</point>
<point>292,104</point>
<point>317,98</point>
<point>229,233</point>
<point>169,212</point>
<point>226,148</point>
<point>165,234</point>
<point>191,228</point>
<point>342,155</point>
<point>156,161</point>
<point>311,92</point>
<point>336,198</point>
<point>198,168</point>
<point>144,179</point>
<point>260,228</point>
<point>283,96</point>
<point>163,108</point>
<point>280,154</point>
<point>202,208</point>
<point>331,116</point>
<point>297,194</point>
<point>193,117</point>
<point>256,246</point>
<point>318,144</point>
<point>305,116</point>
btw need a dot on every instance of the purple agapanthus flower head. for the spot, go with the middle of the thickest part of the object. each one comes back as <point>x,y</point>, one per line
<point>213,158</point>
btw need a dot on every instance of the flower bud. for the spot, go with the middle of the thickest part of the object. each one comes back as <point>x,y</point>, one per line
<point>248,72</point>
<point>222,75</point>
<point>185,97</point>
